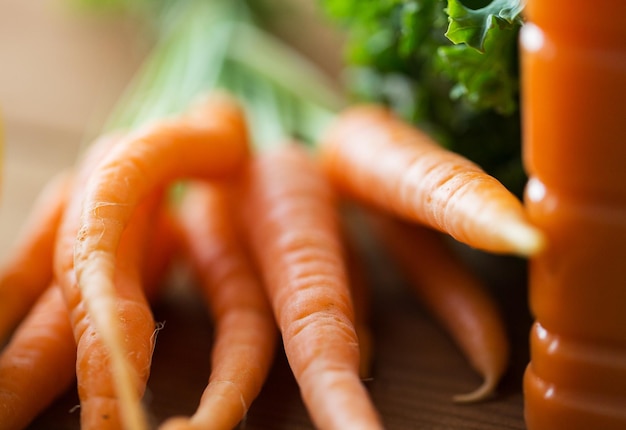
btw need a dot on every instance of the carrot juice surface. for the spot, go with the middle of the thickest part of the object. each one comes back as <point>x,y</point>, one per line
<point>573,60</point>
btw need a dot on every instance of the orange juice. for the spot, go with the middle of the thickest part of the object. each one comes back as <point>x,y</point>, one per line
<point>573,59</point>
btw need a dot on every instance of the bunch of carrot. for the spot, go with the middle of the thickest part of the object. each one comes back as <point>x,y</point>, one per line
<point>264,235</point>
<point>223,184</point>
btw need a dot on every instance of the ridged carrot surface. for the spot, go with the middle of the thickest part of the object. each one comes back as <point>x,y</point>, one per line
<point>38,363</point>
<point>370,154</point>
<point>245,331</point>
<point>453,295</point>
<point>98,375</point>
<point>292,225</point>
<point>209,140</point>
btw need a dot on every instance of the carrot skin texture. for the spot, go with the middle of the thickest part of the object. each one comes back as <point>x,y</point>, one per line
<point>42,357</point>
<point>51,367</point>
<point>372,156</point>
<point>100,408</point>
<point>97,381</point>
<point>28,271</point>
<point>291,223</point>
<point>246,333</point>
<point>210,139</point>
<point>453,295</point>
<point>38,363</point>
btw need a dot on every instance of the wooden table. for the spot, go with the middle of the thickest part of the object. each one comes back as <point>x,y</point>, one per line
<point>59,74</point>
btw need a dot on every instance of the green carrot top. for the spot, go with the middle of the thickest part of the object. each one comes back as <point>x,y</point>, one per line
<point>202,46</point>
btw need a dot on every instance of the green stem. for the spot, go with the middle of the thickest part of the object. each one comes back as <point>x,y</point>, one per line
<point>271,59</point>
<point>186,60</point>
<point>203,45</point>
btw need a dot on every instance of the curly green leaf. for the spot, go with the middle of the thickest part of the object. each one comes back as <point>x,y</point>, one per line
<point>472,26</point>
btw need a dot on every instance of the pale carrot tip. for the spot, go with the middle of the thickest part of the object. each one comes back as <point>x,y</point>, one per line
<point>483,392</point>
<point>524,240</point>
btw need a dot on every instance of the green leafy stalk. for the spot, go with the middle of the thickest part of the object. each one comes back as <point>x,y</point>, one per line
<point>186,60</point>
<point>202,46</point>
<point>285,92</point>
<point>473,26</point>
<point>482,63</point>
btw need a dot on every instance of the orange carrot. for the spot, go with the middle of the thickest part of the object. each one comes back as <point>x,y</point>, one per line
<point>453,295</point>
<point>38,363</point>
<point>137,326</point>
<point>246,333</point>
<point>96,380</point>
<point>291,221</point>
<point>375,157</point>
<point>208,140</point>
<point>28,271</point>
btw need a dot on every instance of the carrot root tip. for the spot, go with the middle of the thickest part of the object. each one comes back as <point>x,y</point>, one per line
<point>525,240</point>
<point>484,392</point>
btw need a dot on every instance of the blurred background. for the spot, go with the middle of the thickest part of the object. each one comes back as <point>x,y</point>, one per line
<point>61,70</point>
